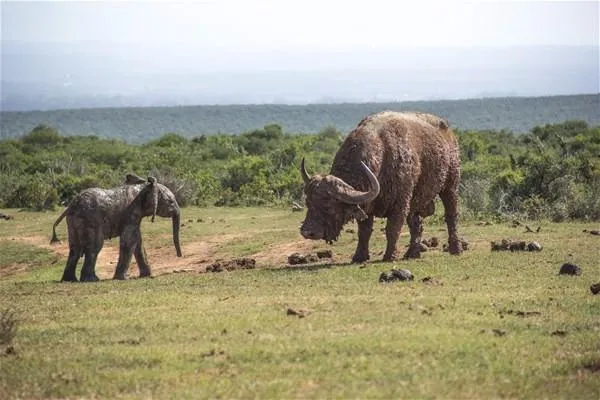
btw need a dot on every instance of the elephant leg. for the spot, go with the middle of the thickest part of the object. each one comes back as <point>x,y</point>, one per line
<point>365,229</point>
<point>94,241</point>
<point>141,258</point>
<point>127,245</point>
<point>415,223</point>
<point>69,272</point>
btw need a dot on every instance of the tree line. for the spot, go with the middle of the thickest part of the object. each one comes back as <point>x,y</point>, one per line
<point>553,171</point>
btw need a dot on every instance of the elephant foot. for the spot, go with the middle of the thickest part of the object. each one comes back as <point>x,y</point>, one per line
<point>360,258</point>
<point>413,251</point>
<point>89,278</point>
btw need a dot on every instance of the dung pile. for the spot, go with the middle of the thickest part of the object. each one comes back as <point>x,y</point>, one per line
<point>232,265</point>
<point>515,245</point>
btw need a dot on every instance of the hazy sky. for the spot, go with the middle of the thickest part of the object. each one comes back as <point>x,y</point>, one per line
<point>267,25</point>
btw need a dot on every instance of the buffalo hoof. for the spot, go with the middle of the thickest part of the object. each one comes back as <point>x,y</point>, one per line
<point>360,258</point>
<point>68,279</point>
<point>390,257</point>
<point>413,252</point>
<point>455,248</point>
<point>90,278</point>
<point>119,277</point>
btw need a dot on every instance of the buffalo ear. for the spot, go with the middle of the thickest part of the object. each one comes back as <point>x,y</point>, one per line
<point>358,213</point>
<point>133,179</point>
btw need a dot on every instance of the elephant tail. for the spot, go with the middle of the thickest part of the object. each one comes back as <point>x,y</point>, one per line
<point>60,218</point>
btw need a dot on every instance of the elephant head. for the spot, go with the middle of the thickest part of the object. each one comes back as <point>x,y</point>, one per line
<point>157,199</point>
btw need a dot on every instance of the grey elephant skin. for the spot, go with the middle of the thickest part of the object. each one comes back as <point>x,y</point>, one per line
<point>97,214</point>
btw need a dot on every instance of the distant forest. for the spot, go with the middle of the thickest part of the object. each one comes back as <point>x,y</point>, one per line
<point>139,125</point>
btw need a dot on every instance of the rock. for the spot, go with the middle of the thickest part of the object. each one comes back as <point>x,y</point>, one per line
<point>569,269</point>
<point>298,258</point>
<point>595,288</point>
<point>396,275</point>
<point>402,275</point>
<point>324,254</point>
<point>534,246</point>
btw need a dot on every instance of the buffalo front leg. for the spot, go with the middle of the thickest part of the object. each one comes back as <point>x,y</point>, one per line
<point>415,223</point>
<point>141,258</point>
<point>365,229</point>
<point>69,272</point>
<point>450,201</point>
<point>127,245</point>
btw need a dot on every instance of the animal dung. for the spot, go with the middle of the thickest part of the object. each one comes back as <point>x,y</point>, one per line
<point>324,254</point>
<point>300,313</point>
<point>569,269</point>
<point>396,275</point>
<point>231,265</point>
<point>595,288</point>
<point>515,245</point>
<point>592,232</point>
<point>433,242</point>
<point>298,258</point>
<point>5,216</point>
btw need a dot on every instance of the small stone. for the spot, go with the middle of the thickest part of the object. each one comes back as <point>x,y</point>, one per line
<point>569,269</point>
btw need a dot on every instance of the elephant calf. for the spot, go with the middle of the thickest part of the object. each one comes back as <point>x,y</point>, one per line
<point>97,214</point>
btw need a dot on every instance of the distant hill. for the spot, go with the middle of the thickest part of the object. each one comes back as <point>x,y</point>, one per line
<point>136,125</point>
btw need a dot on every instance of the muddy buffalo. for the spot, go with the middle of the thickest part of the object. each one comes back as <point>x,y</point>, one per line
<point>392,165</point>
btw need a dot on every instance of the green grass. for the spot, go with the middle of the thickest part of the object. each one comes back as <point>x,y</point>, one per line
<point>227,335</point>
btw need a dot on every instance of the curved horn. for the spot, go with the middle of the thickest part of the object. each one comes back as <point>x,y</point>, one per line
<point>305,176</point>
<point>353,196</point>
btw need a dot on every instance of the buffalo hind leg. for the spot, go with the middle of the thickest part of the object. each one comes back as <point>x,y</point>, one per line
<point>365,228</point>
<point>69,272</point>
<point>415,223</point>
<point>450,201</point>
<point>392,233</point>
<point>141,258</point>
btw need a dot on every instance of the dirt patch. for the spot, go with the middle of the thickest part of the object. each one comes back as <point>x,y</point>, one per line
<point>277,254</point>
<point>196,256</point>
<point>232,265</point>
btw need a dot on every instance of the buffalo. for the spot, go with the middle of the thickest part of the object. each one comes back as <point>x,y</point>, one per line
<point>392,165</point>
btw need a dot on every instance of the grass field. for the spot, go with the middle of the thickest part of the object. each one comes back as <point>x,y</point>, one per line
<point>490,325</point>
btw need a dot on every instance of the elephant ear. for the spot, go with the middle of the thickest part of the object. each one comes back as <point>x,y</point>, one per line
<point>133,179</point>
<point>154,194</point>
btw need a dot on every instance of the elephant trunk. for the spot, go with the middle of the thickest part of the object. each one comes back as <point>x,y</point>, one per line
<point>175,219</point>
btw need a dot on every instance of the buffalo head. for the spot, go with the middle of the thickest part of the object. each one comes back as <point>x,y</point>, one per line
<point>331,203</point>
